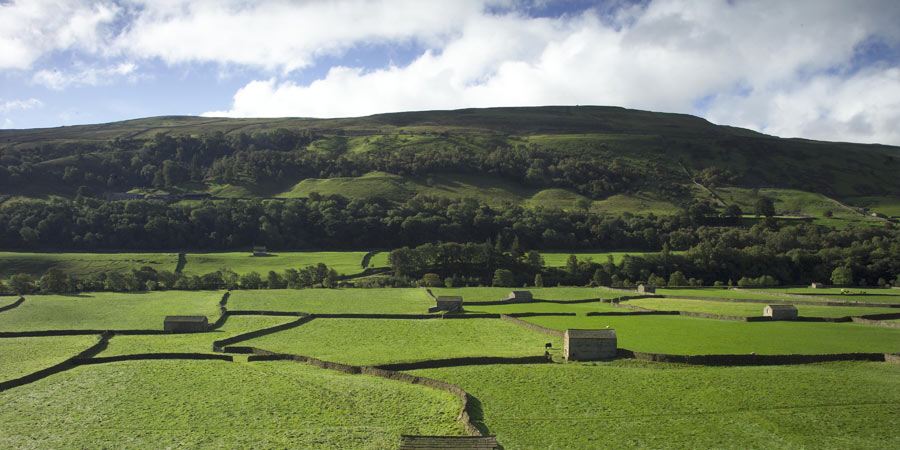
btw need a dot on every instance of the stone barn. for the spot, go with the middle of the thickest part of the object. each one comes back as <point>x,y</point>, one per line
<point>259,250</point>
<point>520,296</point>
<point>185,324</point>
<point>646,289</point>
<point>449,303</point>
<point>780,312</point>
<point>588,345</point>
<point>817,285</point>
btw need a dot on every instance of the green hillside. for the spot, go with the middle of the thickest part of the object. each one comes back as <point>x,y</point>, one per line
<point>606,159</point>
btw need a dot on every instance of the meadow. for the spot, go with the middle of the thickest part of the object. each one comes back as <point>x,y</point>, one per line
<point>216,404</point>
<point>243,262</point>
<point>486,294</point>
<point>628,404</point>
<point>752,309</point>
<point>108,310</point>
<point>22,356</point>
<point>82,265</point>
<point>382,341</point>
<point>694,336</point>
<point>334,301</point>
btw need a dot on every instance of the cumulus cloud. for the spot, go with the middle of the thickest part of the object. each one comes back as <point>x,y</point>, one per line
<point>11,105</point>
<point>30,29</point>
<point>91,76</point>
<point>792,58</point>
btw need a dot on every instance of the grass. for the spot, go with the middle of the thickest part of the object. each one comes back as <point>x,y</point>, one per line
<point>889,206</point>
<point>189,342</point>
<point>561,258</point>
<point>557,293</point>
<point>628,404</point>
<point>751,309</point>
<point>694,336</point>
<point>577,308</point>
<point>107,310</point>
<point>216,404</point>
<point>82,265</point>
<point>381,341</point>
<point>242,262</point>
<point>334,301</point>
<point>380,259</point>
<point>22,356</point>
<point>863,295</point>
<point>719,293</point>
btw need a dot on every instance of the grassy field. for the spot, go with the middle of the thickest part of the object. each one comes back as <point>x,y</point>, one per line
<point>334,301</point>
<point>630,404</point>
<point>481,294</point>
<point>694,336</point>
<point>21,356</point>
<point>719,293</point>
<point>189,342</point>
<point>242,262</point>
<point>382,341</point>
<point>560,259</point>
<point>752,309</point>
<point>82,265</point>
<point>865,295</point>
<point>214,404</point>
<point>108,310</point>
<point>577,308</point>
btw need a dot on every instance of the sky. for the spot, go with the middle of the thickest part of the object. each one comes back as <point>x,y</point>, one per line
<point>817,69</point>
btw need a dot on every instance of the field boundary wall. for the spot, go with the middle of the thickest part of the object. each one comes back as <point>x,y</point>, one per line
<point>749,359</point>
<point>877,323</point>
<point>66,364</point>
<point>47,333</point>
<point>775,301</point>
<point>152,356</point>
<point>13,304</point>
<point>464,416</point>
<point>532,326</point>
<point>219,345</point>
<point>464,361</point>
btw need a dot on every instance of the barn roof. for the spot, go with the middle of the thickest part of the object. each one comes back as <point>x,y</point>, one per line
<point>449,298</point>
<point>591,334</point>
<point>782,307</point>
<point>191,319</point>
<point>519,293</point>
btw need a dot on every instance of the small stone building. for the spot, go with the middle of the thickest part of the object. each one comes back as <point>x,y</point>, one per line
<point>780,312</point>
<point>817,286</point>
<point>589,345</point>
<point>646,289</point>
<point>520,296</point>
<point>449,303</point>
<point>185,324</point>
<point>259,250</point>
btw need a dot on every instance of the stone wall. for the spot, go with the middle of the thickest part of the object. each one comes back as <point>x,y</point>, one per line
<point>219,345</point>
<point>13,304</point>
<point>531,326</point>
<point>877,323</point>
<point>466,361</point>
<point>66,364</point>
<point>749,359</point>
<point>152,356</point>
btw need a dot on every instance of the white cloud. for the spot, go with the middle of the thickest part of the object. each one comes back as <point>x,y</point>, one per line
<point>91,76</point>
<point>666,57</point>
<point>11,105</point>
<point>30,29</point>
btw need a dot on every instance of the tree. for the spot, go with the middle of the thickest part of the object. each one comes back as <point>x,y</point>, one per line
<point>539,280</point>
<point>765,207</point>
<point>734,211</point>
<point>251,280</point>
<point>572,266</point>
<point>677,279</point>
<point>54,281</point>
<point>503,278</point>
<point>601,278</point>
<point>842,276</point>
<point>22,283</point>
<point>431,280</point>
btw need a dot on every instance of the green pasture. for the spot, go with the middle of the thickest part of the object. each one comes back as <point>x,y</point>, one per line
<point>108,310</point>
<point>559,259</point>
<point>382,341</point>
<point>577,308</point>
<point>380,259</point>
<point>694,336</point>
<point>22,356</point>
<point>483,294</point>
<point>854,294</point>
<point>889,206</point>
<point>216,404</point>
<point>718,293</point>
<point>243,262</point>
<point>82,265</point>
<point>334,301</point>
<point>632,404</point>
<point>752,309</point>
<point>189,342</point>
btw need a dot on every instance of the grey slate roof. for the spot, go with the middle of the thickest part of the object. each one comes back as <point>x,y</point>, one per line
<point>591,334</point>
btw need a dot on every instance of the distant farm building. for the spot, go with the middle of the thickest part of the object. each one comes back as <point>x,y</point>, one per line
<point>259,250</point>
<point>589,345</point>
<point>646,289</point>
<point>780,312</point>
<point>520,296</point>
<point>185,324</point>
<point>817,285</point>
<point>449,303</point>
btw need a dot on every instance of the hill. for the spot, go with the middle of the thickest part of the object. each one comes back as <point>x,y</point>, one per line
<point>607,159</point>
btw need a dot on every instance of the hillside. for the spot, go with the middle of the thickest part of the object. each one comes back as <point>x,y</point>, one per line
<point>606,158</point>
